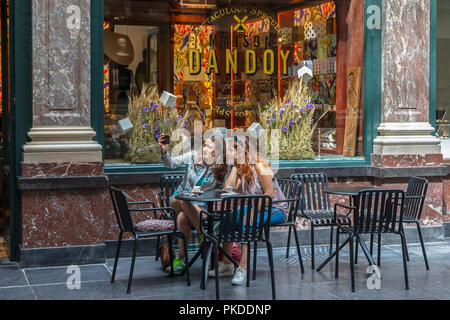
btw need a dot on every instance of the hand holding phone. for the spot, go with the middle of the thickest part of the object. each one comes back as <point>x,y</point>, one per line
<point>163,143</point>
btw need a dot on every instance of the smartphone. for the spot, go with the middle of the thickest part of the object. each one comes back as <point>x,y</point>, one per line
<point>166,140</point>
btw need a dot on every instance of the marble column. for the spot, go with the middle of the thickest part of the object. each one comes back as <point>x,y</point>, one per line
<point>405,132</point>
<point>61,131</point>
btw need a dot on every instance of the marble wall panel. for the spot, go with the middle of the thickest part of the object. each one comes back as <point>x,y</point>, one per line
<point>405,61</point>
<point>61,63</point>
<point>67,169</point>
<point>446,199</point>
<point>53,218</point>
<point>408,160</point>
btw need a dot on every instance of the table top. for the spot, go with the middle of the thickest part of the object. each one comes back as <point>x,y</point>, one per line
<point>207,196</point>
<point>348,190</point>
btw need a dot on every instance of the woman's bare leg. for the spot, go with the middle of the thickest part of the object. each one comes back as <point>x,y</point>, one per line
<point>184,226</point>
<point>243,262</point>
<point>192,213</point>
<point>228,248</point>
<point>176,204</point>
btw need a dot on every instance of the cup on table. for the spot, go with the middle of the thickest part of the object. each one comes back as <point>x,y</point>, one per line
<point>197,189</point>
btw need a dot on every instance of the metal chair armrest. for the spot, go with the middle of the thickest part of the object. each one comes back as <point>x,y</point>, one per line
<point>286,200</point>
<point>343,206</point>
<point>143,202</point>
<point>413,197</point>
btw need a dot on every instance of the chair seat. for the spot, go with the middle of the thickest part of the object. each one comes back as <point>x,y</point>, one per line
<point>326,218</point>
<point>154,225</point>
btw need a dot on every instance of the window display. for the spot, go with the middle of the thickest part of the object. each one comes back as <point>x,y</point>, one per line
<point>227,65</point>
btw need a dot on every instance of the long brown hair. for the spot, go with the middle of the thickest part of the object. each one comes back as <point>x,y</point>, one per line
<point>245,170</point>
<point>219,170</point>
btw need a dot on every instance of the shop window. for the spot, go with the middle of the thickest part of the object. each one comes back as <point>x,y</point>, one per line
<point>230,66</point>
<point>443,77</point>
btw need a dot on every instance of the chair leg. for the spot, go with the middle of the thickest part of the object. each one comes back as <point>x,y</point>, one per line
<point>272,273</point>
<point>248,264</point>
<point>423,246</point>
<point>299,252</point>
<point>336,266</point>
<point>365,250</point>
<point>331,239</point>
<point>379,250</point>
<point>352,266</point>
<point>186,257</point>
<point>216,271</point>
<point>288,246</point>
<point>371,244</point>
<point>133,259</point>
<point>116,259</point>
<point>312,247</point>
<point>356,252</point>
<point>158,241</point>
<point>407,253</point>
<point>255,245</point>
<point>405,265</point>
<point>169,238</point>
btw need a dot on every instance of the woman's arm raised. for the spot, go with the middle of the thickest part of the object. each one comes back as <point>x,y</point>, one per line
<point>265,176</point>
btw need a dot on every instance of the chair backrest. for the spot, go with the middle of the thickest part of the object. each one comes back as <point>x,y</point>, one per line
<point>291,190</point>
<point>379,211</point>
<point>244,218</point>
<point>120,205</point>
<point>417,188</point>
<point>313,199</point>
<point>168,184</point>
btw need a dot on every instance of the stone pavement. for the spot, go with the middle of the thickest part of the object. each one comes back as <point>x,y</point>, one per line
<point>150,282</point>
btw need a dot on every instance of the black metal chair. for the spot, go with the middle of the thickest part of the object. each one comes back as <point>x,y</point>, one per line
<point>316,206</point>
<point>375,212</point>
<point>241,219</point>
<point>292,192</point>
<point>168,184</point>
<point>125,223</point>
<point>414,201</point>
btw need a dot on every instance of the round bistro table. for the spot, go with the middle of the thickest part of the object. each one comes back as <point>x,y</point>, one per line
<point>209,197</point>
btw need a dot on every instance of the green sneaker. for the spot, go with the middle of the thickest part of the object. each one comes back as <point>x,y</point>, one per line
<point>179,266</point>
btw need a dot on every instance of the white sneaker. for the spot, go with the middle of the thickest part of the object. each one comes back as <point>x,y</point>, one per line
<point>240,277</point>
<point>225,270</point>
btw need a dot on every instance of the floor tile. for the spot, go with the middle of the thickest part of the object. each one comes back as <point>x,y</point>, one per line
<point>17,293</point>
<point>103,290</point>
<point>59,275</point>
<point>12,276</point>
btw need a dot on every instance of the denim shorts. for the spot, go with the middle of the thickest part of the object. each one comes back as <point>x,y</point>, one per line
<point>278,216</point>
<point>203,205</point>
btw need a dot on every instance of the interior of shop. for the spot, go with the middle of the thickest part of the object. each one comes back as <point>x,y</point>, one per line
<point>443,75</point>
